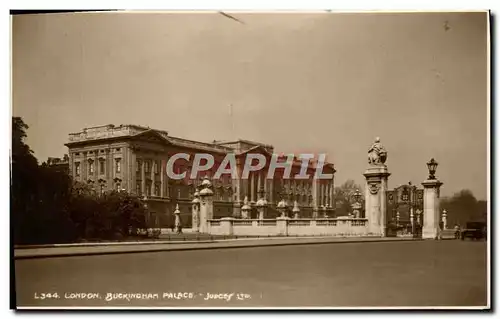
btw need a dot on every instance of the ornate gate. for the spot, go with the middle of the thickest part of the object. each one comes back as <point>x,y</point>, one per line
<point>404,211</point>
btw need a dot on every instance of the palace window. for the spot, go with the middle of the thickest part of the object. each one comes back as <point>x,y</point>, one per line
<point>118,165</point>
<point>156,165</point>
<point>148,189</point>
<point>101,166</point>
<point>91,167</point>
<point>157,190</point>
<point>138,188</point>
<point>77,168</point>
<point>138,166</point>
<point>146,166</point>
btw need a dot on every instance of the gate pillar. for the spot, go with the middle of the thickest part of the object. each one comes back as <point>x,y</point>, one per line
<point>206,205</point>
<point>431,214</point>
<point>376,199</point>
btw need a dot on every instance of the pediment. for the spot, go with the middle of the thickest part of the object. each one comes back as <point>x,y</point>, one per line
<point>257,150</point>
<point>151,136</point>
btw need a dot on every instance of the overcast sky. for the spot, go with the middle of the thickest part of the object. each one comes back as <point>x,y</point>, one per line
<point>302,82</point>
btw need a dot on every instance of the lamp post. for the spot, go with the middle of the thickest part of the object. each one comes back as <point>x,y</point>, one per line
<point>356,206</point>
<point>432,166</point>
<point>418,213</point>
<point>431,215</point>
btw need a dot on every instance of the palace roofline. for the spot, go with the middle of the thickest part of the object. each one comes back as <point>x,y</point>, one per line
<point>111,131</point>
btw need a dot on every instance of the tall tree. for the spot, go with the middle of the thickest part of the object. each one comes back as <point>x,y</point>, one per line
<point>24,171</point>
<point>343,197</point>
<point>39,195</point>
<point>463,207</point>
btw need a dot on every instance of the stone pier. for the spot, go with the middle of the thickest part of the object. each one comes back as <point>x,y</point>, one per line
<point>376,199</point>
<point>376,188</point>
<point>432,218</point>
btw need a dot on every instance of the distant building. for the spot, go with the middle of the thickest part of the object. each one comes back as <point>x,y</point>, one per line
<point>60,164</point>
<point>133,158</point>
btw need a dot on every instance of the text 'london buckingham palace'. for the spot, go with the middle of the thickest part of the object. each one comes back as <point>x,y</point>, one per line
<point>133,158</point>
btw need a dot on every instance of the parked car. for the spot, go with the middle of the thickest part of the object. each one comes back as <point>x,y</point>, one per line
<point>474,230</point>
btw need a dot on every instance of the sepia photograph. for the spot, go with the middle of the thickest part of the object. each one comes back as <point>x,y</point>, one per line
<point>250,160</point>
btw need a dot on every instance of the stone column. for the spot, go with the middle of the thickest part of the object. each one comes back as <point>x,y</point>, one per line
<point>259,180</point>
<point>72,165</point>
<point>315,194</point>
<point>266,181</point>
<point>252,187</point>
<point>206,204</point>
<point>431,216</point>
<point>322,192</point>
<point>143,177</point>
<point>96,166</point>
<point>271,190</point>
<point>162,179</point>
<point>109,168</point>
<point>376,199</point>
<point>237,201</point>
<point>236,184</point>
<point>152,167</point>
<point>195,210</point>
<point>167,191</point>
<point>132,167</point>
<point>125,168</point>
<point>332,190</point>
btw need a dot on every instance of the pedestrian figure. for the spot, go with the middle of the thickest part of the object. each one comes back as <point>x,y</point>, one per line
<point>457,231</point>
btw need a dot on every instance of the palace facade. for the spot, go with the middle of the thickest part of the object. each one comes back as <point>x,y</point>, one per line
<point>133,158</point>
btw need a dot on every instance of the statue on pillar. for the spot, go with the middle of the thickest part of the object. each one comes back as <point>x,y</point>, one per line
<point>377,154</point>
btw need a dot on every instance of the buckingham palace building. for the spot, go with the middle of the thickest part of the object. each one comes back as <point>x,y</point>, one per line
<point>133,158</point>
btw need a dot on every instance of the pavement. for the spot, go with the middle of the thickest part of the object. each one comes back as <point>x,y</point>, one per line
<point>61,250</point>
<point>401,273</point>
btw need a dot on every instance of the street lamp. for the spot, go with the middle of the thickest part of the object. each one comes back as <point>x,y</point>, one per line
<point>432,166</point>
<point>357,196</point>
<point>356,206</point>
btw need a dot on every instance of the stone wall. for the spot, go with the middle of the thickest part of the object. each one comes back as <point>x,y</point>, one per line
<point>291,227</point>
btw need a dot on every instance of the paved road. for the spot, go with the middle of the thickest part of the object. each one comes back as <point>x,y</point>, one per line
<point>421,273</point>
<point>109,248</point>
